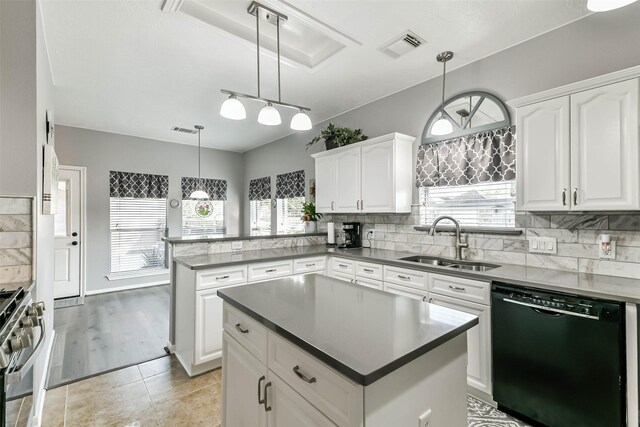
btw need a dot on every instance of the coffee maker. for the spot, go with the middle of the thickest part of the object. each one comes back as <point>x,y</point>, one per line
<point>352,235</point>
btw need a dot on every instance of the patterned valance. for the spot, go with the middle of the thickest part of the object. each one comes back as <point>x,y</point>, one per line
<point>486,156</point>
<point>138,185</point>
<point>260,189</point>
<point>290,185</point>
<point>215,188</point>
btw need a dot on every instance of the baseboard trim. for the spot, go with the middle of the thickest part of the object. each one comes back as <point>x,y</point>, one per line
<point>127,288</point>
<point>39,405</point>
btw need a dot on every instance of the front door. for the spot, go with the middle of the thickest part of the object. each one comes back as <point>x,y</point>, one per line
<point>68,239</point>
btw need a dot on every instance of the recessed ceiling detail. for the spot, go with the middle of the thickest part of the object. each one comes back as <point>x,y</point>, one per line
<point>402,44</point>
<point>303,40</point>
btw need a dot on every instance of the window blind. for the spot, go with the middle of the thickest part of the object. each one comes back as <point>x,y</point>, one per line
<point>137,226</point>
<point>260,214</point>
<point>490,204</point>
<point>194,224</point>
<point>289,212</point>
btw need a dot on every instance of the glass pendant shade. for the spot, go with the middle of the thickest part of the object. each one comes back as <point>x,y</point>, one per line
<point>269,116</point>
<point>605,5</point>
<point>301,121</point>
<point>199,194</point>
<point>233,109</point>
<point>442,127</point>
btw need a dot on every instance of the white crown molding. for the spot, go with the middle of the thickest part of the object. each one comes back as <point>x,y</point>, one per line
<point>616,76</point>
<point>371,141</point>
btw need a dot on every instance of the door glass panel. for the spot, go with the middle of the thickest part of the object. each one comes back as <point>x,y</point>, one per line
<point>60,218</point>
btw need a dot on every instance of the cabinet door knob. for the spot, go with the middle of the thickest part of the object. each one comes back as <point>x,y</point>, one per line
<point>564,197</point>
<point>575,197</point>
<point>74,243</point>
<point>74,234</point>
<point>260,398</point>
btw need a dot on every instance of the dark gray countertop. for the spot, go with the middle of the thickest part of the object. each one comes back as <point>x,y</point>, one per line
<point>583,284</point>
<point>233,237</point>
<point>361,332</point>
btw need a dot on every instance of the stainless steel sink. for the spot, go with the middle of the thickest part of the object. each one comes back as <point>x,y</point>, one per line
<point>459,265</point>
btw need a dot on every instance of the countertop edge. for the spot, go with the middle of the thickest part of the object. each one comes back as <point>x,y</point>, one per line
<point>360,378</point>
<point>182,240</point>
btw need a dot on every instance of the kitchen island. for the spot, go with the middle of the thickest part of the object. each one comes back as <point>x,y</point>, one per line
<point>322,352</point>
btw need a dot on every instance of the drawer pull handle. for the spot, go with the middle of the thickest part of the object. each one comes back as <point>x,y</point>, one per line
<point>311,265</point>
<point>266,386</point>
<point>424,299</point>
<point>400,276</point>
<point>457,288</point>
<point>343,266</point>
<point>302,376</point>
<point>272,270</point>
<point>222,277</point>
<point>240,329</point>
<point>368,270</point>
<point>260,399</point>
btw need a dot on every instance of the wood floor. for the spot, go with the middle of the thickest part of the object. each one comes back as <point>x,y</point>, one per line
<point>109,331</point>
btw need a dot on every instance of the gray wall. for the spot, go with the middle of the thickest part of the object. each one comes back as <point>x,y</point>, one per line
<point>101,152</point>
<point>598,44</point>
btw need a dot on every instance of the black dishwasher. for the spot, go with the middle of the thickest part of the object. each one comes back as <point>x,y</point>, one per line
<point>558,360</point>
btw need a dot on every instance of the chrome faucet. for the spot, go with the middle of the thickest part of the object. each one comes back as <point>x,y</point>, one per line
<point>459,244</point>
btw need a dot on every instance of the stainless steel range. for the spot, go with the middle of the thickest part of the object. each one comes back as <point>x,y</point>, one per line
<point>22,332</point>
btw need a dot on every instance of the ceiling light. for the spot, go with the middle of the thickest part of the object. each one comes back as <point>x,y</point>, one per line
<point>233,109</point>
<point>301,121</point>
<point>443,126</point>
<point>606,5</point>
<point>199,193</point>
<point>269,116</point>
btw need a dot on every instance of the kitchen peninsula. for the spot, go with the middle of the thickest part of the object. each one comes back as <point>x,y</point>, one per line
<point>324,351</point>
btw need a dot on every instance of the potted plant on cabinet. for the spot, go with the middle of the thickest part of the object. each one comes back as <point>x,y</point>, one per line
<point>335,137</point>
<point>310,217</point>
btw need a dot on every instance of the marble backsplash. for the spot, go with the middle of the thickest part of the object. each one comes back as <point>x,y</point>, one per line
<point>16,237</point>
<point>185,249</point>
<point>577,240</point>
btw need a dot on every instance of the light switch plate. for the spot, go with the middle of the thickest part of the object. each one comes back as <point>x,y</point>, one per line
<point>236,245</point>
<point>544,245</point>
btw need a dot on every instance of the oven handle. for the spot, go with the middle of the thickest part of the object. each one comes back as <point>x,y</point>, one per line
<point>555,310</point>
<point>18,375</point>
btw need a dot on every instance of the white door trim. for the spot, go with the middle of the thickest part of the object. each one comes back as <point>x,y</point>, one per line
<point>83,223</point>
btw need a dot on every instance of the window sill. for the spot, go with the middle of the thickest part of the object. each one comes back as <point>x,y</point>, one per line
<point>473,230</point>
<point>138,273</point>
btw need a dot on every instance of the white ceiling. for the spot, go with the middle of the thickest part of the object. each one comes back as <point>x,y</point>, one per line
<point>126,67</point>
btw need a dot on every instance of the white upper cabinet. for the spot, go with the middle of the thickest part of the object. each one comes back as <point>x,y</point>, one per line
<point>604,148</point>
<point>543,156</point>
<point>372,176</point>
<point>579,152</point>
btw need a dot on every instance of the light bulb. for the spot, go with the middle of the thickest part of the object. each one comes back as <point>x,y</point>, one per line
<point>606,5</point>
<point>233,109</point>
<point>441,127</point>
<point>199,194</point>
<point>301,121</point>
<point>269,116</point>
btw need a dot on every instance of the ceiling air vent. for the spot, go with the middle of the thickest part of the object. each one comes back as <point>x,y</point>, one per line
<point>184,130</point>
<point>402,44</point>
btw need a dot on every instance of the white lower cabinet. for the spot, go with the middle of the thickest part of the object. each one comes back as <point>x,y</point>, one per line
<point>208,343</point>
<point>288,408</point>
<point>478,340</point>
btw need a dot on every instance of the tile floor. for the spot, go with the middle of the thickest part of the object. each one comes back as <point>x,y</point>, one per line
<point>155,393</point>
<point>160,393</point>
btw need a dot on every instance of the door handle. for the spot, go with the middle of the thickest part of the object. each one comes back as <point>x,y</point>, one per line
<point>361,205</point>
<point>260,399</point>
<point>357,205</point>
<point>266,386</point>
<point>74,243</point>
<point>74,234</point>
<point>564,197</point>
<point>575,197</point>
<point>331,205</point>
<point>457,288</point>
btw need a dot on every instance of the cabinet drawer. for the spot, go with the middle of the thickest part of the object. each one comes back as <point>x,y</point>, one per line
<point>219,277</point>
<point>334,395</point>
<point>341,276</point>
<point>372,283</point>
<point>343,265</point>
<point>406,277</point>
<point>308,265</point>
<point>465,289</point>
<point>270,270</point>
<point>248,332</point>
<point>369,270</point>
<point>405,291</point>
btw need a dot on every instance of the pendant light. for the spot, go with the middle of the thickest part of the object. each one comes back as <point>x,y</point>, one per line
<point>199,193</point>
<point>443,126</point>
<point>606,5</point>
<point>233,109</point>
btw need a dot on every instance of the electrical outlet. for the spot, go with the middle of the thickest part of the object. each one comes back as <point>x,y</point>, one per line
<point>236,245</point>
<point>545,245</point>
<point>610,254</point>
<point>425,419</point>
